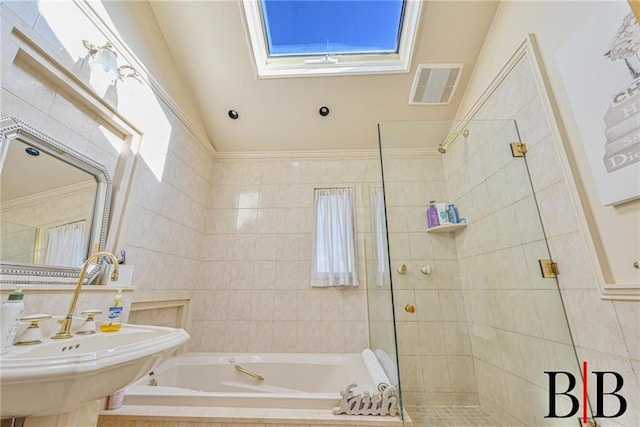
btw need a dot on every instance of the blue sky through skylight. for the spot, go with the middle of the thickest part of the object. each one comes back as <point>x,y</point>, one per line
<point>311,27</point>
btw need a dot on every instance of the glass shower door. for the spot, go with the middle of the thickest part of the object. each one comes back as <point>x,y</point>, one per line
<point>382,334</point>
<point>476,322</point>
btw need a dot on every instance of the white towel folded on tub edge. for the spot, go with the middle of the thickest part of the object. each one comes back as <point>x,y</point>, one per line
<point>390,367</point>
<point>378,376</point>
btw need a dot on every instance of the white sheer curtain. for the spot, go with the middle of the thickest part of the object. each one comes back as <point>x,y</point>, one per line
<point>65,245</point>
<point>334,252</point>
<point>379,236</point>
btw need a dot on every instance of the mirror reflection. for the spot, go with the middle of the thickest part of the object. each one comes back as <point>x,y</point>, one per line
<point>53,203</point>
<point>46,206</point>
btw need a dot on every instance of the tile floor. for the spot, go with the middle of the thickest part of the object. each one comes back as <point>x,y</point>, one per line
<point>450,416</point>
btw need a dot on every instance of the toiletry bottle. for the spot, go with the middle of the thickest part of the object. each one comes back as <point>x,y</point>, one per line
<point>115,315</point>
<point>12,311</point>
<point>432,215</point>
<point>115,400</point>
<point>443,216</point>
<point>453,213</point>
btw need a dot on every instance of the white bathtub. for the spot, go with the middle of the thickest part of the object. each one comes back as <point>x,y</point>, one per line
<point>296,381</point>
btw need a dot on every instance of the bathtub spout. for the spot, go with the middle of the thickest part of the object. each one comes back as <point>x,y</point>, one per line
<point>247,372</point>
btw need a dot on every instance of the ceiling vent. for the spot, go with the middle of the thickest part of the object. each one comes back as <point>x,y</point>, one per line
<point>434,84</point>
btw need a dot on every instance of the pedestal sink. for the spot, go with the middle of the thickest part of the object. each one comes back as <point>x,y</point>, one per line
<point>58,376</point>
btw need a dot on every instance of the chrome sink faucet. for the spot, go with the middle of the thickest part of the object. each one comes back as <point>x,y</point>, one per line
<point>65,323</point>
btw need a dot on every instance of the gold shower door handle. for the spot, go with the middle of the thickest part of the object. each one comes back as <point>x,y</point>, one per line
<point>410,308</point>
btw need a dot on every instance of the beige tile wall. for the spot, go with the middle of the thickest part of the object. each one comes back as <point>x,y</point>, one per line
<point>436,366</point>
<point>18,242</point>
<point>257,295</point>
<point>53,115</point>
<point>164,221</point>
<point>30,95</point>
<point>165,316</point>
<point>44,213</point>
<point>517,322</point>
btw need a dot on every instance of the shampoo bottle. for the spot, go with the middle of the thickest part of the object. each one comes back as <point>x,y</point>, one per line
<point>443,215</point>
<point>453,214</point>
<point>432,215</point>
<point>115,315</point>
<point>12,311</point>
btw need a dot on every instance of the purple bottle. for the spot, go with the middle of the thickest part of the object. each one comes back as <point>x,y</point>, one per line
<point>432,215</point>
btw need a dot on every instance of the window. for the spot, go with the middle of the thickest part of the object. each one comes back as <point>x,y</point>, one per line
<point>65,245</point>
<point>334,252</point>
<point>331,27</point>
<point>322,37</point>
<point>379,224</point>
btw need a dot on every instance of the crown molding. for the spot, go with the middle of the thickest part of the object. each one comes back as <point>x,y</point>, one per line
<point>46,195</point>
<point>326,154</point>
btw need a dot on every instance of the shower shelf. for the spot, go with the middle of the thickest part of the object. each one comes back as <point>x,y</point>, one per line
<point>446,228</point>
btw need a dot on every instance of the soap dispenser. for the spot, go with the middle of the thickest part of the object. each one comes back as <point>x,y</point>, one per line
<point>115,315</point>
<point>12,311</point>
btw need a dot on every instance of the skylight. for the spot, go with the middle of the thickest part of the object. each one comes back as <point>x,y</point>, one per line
<point>320,37</point>
<point>332,27</point>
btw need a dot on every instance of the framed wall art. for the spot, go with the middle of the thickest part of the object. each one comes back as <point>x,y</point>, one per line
<point>600,67</point>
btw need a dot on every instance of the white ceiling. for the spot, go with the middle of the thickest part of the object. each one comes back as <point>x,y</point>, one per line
<point>210,48</point>
<point>24,175</point>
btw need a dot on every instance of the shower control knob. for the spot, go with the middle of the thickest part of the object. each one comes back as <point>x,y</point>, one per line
<point>410,308</point>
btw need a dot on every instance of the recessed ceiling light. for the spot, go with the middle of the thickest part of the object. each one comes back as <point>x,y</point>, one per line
<point>233,114</point>
<point>324,111</point>
<point>32,151</point>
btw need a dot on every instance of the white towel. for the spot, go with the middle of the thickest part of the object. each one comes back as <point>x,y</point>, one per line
<point>390,367</point>
<point>377,374</point>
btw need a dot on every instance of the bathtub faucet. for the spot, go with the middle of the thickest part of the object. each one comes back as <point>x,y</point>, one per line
<point>65,323</point>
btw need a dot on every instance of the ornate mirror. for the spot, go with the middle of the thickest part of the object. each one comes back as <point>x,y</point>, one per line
<point>54,207</point>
